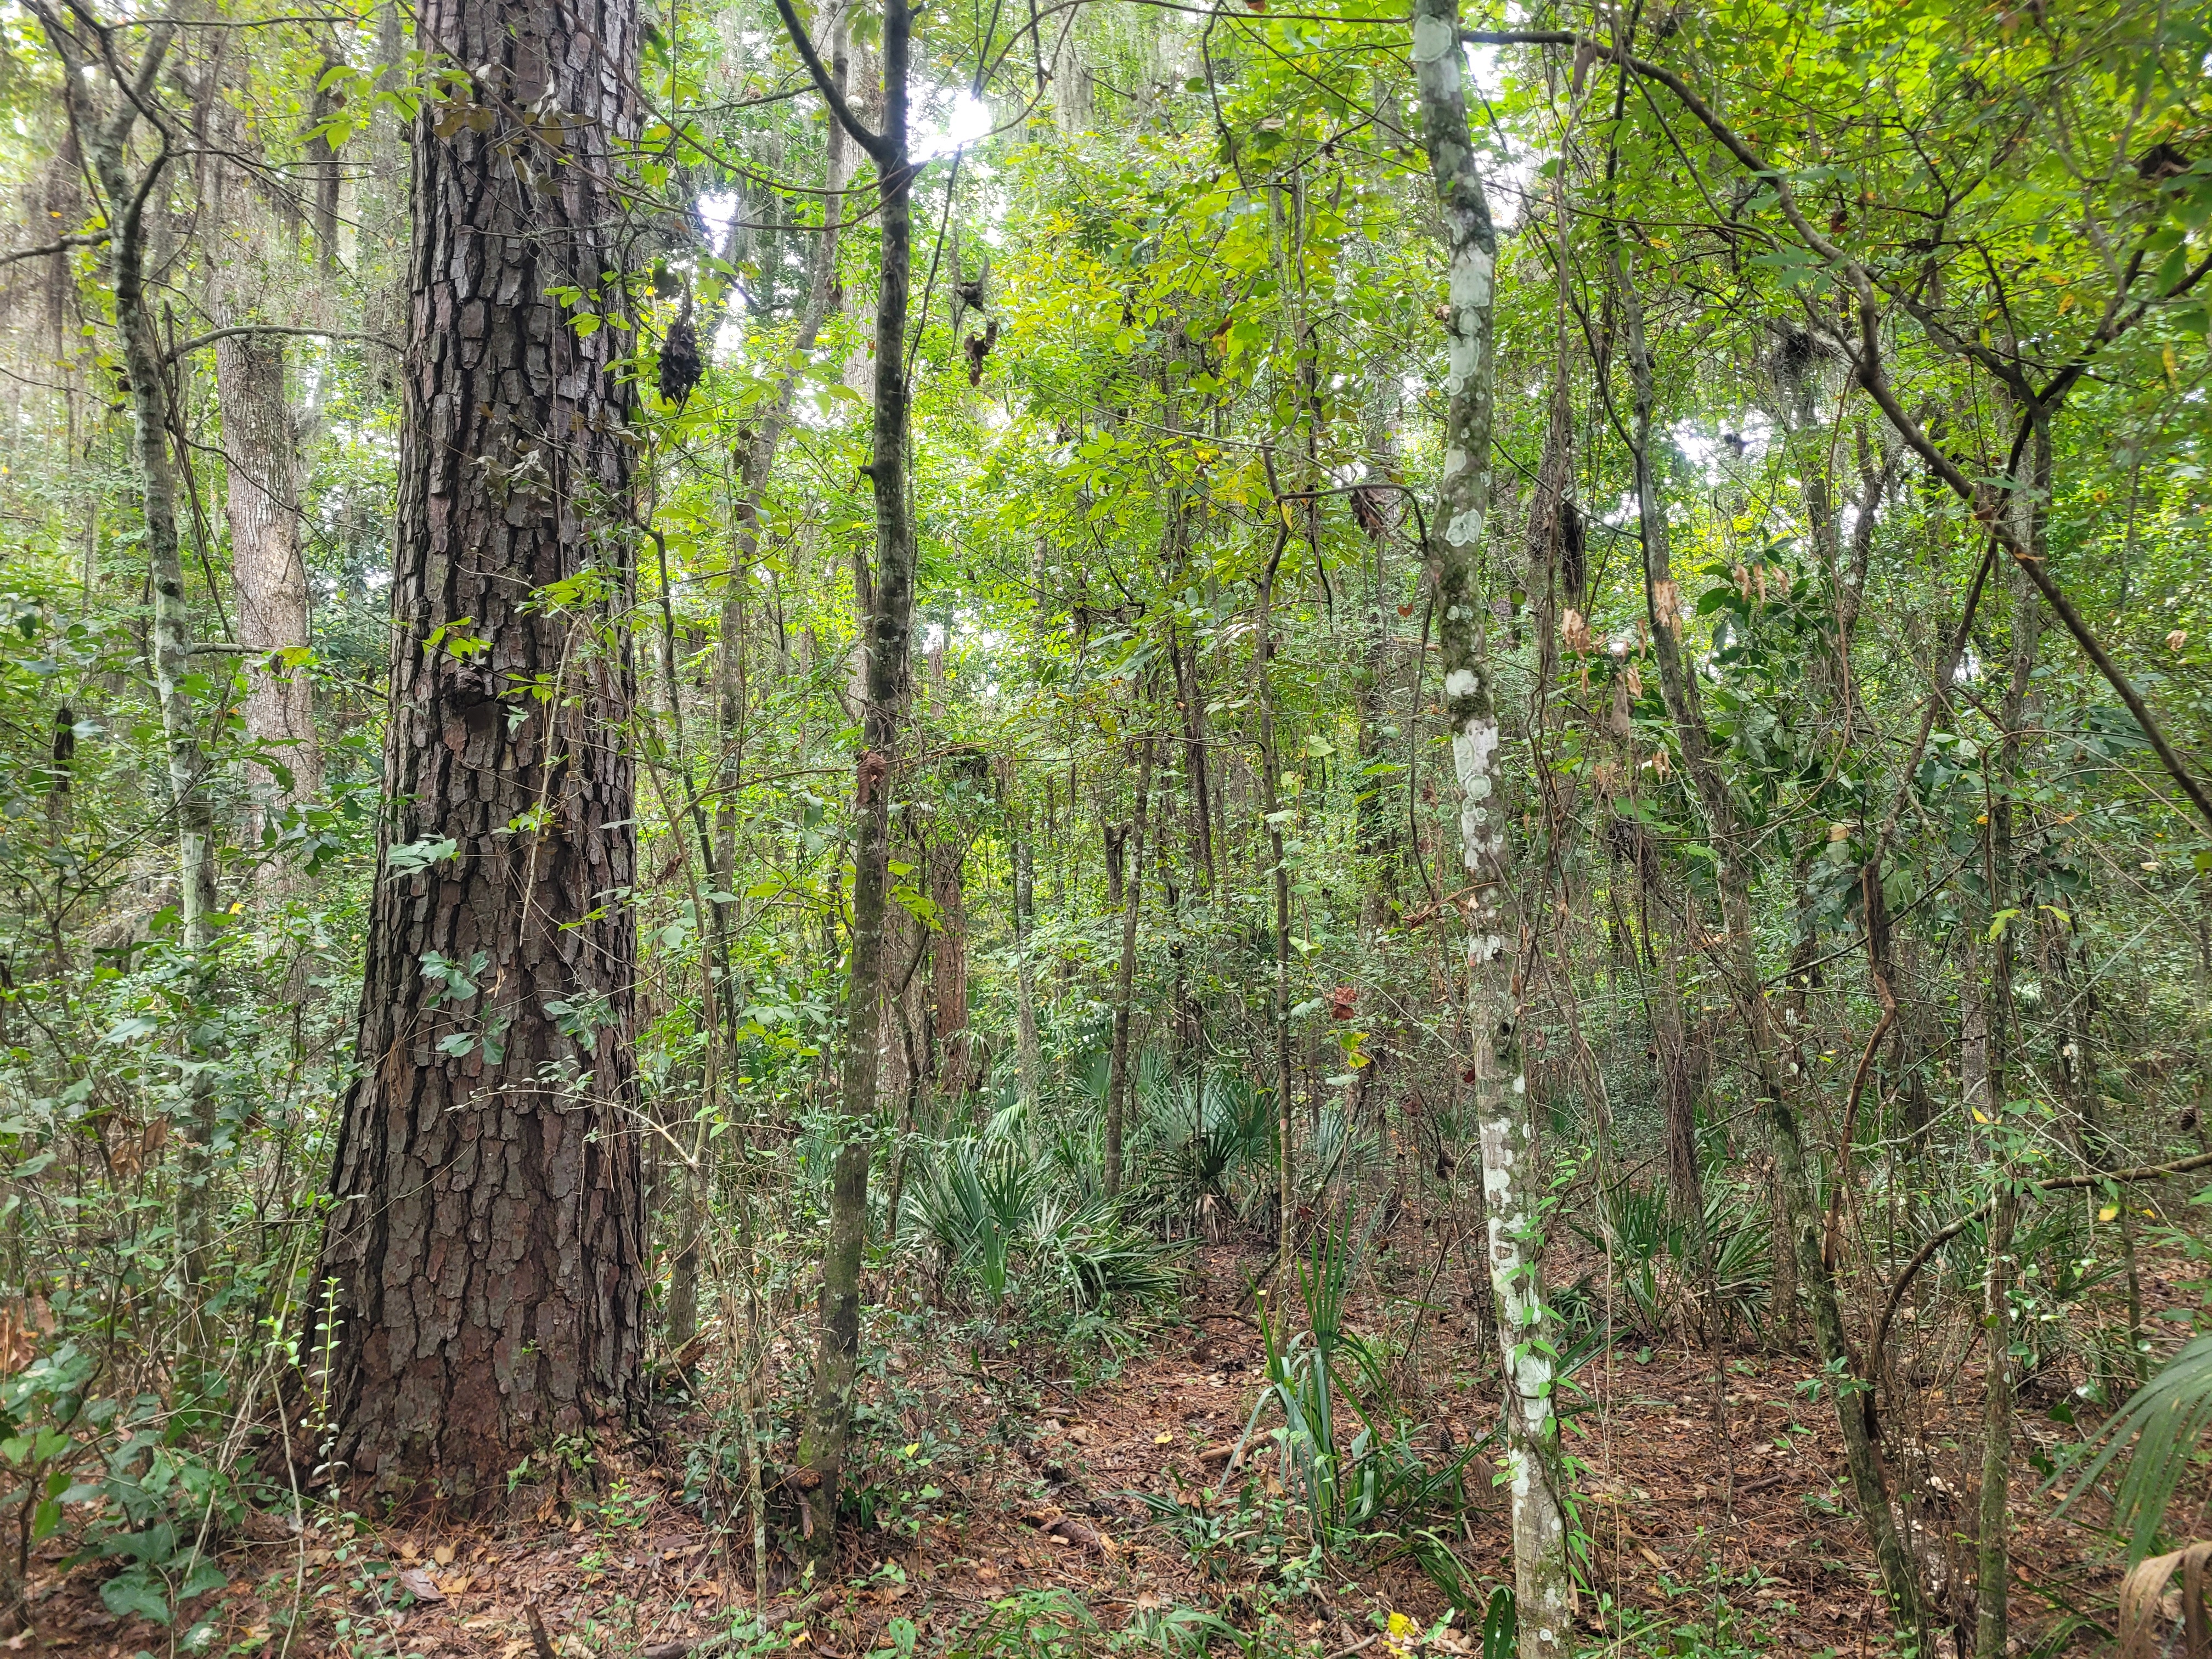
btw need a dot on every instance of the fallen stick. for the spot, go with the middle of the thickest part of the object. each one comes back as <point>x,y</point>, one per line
<point>540,1641</point>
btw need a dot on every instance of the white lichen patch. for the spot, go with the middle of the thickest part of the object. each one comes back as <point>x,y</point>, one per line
<point>1433,39</point>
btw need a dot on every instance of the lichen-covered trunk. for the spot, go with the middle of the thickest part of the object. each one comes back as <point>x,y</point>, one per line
<point>109,147</point>
<point>261,451</point>
<point>487,1236</point>
<point>889,591</point>
<point>1534,1468</point>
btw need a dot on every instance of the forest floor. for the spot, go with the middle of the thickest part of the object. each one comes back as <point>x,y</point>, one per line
<point>1732,1542</point>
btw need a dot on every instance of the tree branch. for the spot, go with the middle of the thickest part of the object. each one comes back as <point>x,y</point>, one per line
<point>204,340</point>
<point>877,144</point>
<point>90,238</point>
<point>1943,1235</point>
<point>1871,376</point>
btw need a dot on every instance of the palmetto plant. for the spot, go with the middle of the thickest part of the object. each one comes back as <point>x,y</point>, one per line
<point>1003,1208</point>
<point>1661,1265</point>
<point>2154,1437</point>
<point>1202,1139</point>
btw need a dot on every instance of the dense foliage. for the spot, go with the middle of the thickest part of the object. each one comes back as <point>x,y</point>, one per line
<point>1843,600</point>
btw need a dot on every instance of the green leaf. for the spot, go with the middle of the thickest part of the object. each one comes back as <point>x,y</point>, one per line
<point>136,1591</point>
<point>417,856</point>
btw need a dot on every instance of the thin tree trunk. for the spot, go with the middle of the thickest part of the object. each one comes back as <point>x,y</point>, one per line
<point>1190,697</point>
<point>1029,1056</point>
<point>947,858</point>
<point>758,462</point>
<point>1286,1163</point>
<point>488,1240</point>
<point>1770,1080</point>
<point>889,628</point>
<point>1993,1558</point>
<point>1534,1466</point>
<point>106,141</point>
<point>1125,972</point>
<point>262,453</point>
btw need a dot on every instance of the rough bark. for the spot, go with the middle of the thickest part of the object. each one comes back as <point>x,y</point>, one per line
<point>487,1237</point>
<point>1534,1466</point>
<point>261,453</point>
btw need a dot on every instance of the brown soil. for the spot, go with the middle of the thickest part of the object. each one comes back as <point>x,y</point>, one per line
<point>1678,1507</point>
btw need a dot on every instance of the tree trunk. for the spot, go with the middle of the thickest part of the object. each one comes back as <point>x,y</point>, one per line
<point>948,963</point>
<point>488,1239</point>
<point>1993,1561</point>
<point>1286,1162</point>
<point>107,143</point>
<point>758,459</point>
<point>1772,1083</point>
<point>889,592</point>
<point>1125,974</point>
<point>1534,1466</point>
<point>262,453</point>
<point>1030,1057</point>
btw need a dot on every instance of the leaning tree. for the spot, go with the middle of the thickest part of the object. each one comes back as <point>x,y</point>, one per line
<point>485,1250</point>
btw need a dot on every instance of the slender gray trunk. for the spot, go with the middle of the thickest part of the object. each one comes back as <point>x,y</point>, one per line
<point>889,628</point>
<point>261,453</point>
<point>107,143</point>
<point>1125,974</point>
<point>1534,1466</point>
<point>1029,1056</point>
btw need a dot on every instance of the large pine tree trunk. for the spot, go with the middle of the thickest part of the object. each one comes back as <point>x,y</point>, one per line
<point>262,453</point>
<point>487,1238</point>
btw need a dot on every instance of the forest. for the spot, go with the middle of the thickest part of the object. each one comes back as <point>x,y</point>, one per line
<point>1239,828</point>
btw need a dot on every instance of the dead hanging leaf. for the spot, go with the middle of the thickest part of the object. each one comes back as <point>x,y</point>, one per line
<point>1575,632</point>
<point>1617,720</point>
<point>1635,681</point>
<point>24,1325</point>
<point>1343,1002</point>
<point>1666,604</point>
<point>1741,578</point>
